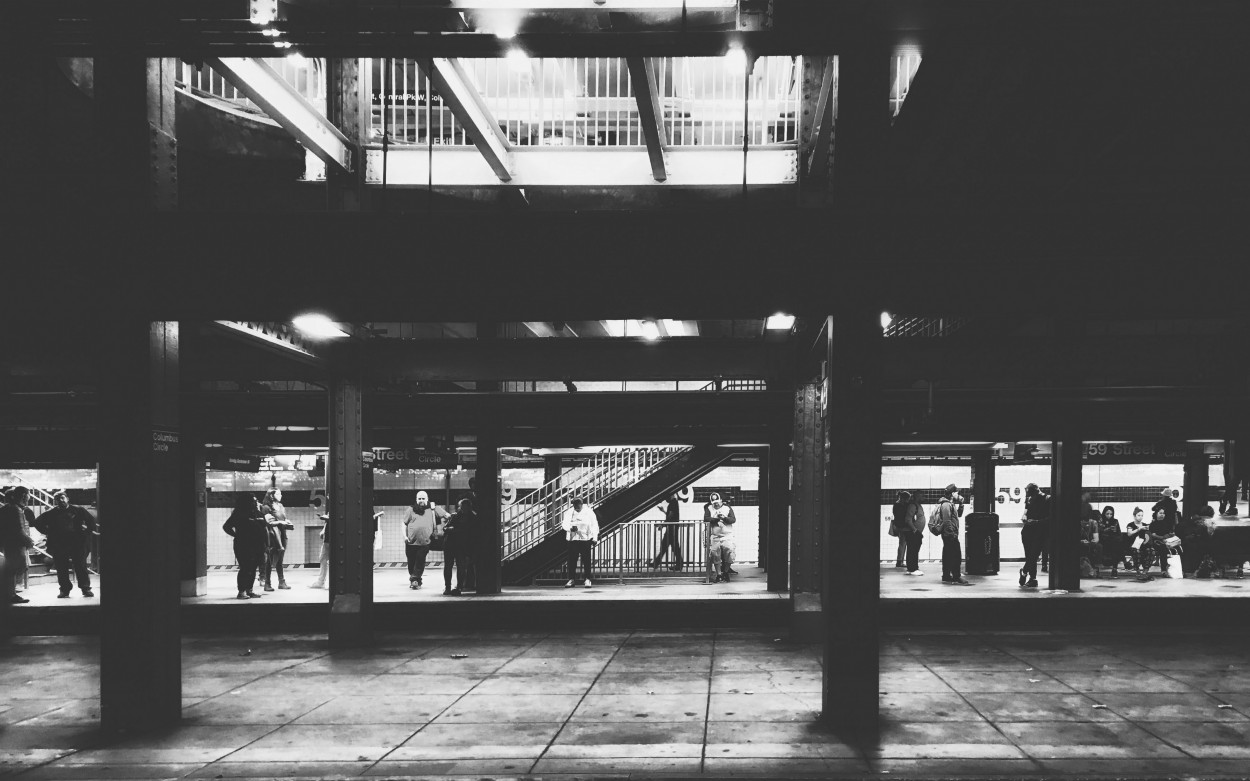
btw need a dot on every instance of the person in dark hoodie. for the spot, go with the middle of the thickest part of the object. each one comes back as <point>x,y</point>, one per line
<point>950,508</point>
<point>459,534</point>
<point>68,528</point>
<point>247,526</point>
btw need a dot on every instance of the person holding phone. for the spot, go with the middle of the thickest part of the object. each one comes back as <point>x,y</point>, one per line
<point>581,529</point>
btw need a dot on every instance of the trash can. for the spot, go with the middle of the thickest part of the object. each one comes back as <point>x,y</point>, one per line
<point>981,543</point>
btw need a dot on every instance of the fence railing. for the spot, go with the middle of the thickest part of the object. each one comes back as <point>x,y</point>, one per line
<point>307,76</point>
<point>626,553</point>
<point>924,326</point>
<point>590,101</point>
<point>526,525</point>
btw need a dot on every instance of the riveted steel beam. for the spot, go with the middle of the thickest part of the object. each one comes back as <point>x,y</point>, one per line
<point>452,83</point>
<point>650,113</point>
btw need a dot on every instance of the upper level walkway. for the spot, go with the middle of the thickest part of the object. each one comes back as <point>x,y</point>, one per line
<point>701,703</point>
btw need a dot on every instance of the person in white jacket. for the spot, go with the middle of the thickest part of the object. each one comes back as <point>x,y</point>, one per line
<point>581,529</point>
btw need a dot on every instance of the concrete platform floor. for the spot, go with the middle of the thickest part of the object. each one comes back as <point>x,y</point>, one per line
<point>895,584</point>
<point>1036,704</point>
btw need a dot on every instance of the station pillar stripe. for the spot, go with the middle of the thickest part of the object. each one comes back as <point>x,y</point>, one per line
<point>489,559</point>
<point>351,528</point>
<point>139,489</point>
<point>1067,513</point>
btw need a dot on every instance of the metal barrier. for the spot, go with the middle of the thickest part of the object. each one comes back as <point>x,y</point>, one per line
<point>626,552</point>
<point>307,76</point>
<point>590,101</point>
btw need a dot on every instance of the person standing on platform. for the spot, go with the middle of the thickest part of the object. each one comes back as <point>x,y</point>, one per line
<point>275,519</point>
<point>581,529</point>
<point>459,533</point>
<point>912,528</point>
<point>897,526</point>
<point>419,525</point>
<point>1034,533</point>
<point>68,528</point>
<point>324,561</point>
<point>669,540</point>
<point>247,526</point>
<point>14,542</point>
<point>720,519</point>
<point>949,510</point>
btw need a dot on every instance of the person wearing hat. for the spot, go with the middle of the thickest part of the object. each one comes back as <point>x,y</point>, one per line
<point>68,528</point>
<point>720,520</point>
<point>1168,504</point>
<point>419,524</point>
<point>1034,532</point>
<point>950,508</point>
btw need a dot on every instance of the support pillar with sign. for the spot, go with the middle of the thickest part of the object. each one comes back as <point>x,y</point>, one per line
<point>853,474</point>
<point>140,480</point>
<point>1066,515</point>
<point>983,482</point>
<point>350,528</point>
<point>488,558</point>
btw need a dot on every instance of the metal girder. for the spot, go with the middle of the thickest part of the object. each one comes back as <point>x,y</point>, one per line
<point>575,359</point>
<point>825,115</point>
<point>650,113</point>
<point>264,87</point>
<point>278,338</point>
<point>466,104</point>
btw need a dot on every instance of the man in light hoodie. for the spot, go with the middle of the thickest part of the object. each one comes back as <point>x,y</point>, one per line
<point>419,524</point>
<point>581,528</point>
<point>720,520</point>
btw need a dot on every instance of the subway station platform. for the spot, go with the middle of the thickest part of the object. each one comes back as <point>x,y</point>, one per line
<point>1160,703</point>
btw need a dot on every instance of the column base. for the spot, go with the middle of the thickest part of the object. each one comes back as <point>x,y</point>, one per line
<point>349,628</point>
<point>195,587</point>
<point>807,621</point>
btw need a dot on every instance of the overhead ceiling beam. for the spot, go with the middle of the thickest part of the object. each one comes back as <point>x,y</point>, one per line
<point>575,359</point>
<point>264,87</point>
<point>650,113</point>
<point>466,104</point>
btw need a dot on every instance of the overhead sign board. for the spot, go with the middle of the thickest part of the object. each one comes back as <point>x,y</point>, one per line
<point>405,458</point>
<point>226,460</point>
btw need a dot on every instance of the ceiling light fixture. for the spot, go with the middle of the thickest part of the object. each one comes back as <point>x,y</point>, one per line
<point>779,322</point>
<point>518,61</point>
<point>886,319</point>
<point>318,326</point>
<point>650,330</point>
<point>735,58</point>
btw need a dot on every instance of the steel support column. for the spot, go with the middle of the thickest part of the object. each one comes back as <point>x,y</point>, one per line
<point>351,527</point>
<point>1197,479</point>
<point>346,189</point>
<point>853,472</point>
<point>139,485</point>
<point>193,517</point>
<point>983,488</point>
<point>808,509</point>
<point>488,560</point>
<point>1065,530</point>
<point>777,541</point>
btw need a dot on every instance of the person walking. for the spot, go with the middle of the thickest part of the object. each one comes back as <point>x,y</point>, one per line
<point>896,525</point>
<point>247,526</point>
<point>720,519</point>
<point>950,508</point>
<point>1033,533</point>
<point>581,529</point>
<point>14,541</point>
<point>670,528</point>
<point>276,539</point>
<point>68,528</point>
<point>459,533</point>
<point>419,523</point>
<point>912,529</point>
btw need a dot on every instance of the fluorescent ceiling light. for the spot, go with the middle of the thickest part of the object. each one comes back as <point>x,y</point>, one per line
<point>1001,445</point>
<point>316,326</point>
<point>588,5</point>
<point>779,322</point>
<point>934,444</point>
<point>886,319</point>
<point>650,330</point>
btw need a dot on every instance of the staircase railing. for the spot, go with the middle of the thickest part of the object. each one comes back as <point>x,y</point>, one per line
<point>527,525</point>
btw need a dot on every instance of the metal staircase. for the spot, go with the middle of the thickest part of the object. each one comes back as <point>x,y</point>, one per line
<point>618,491</point>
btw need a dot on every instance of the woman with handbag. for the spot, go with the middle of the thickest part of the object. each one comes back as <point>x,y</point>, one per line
<point>277,527</point>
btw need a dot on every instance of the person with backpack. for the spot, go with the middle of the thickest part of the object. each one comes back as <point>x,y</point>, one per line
<point>1034,532</point>
<point>912,528</point>
<point>945,522</point>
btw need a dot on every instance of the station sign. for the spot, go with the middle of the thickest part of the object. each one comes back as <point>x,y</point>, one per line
<point>1135,452</point>
<point>222,459</point>
<point>411,458</point>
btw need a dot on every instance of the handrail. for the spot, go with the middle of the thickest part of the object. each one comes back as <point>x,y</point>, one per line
<point>606,472</point>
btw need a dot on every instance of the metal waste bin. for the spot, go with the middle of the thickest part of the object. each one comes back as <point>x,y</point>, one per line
<point>981,543</point>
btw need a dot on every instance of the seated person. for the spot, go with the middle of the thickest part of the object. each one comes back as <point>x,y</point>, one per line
<point>1111,539</point>
<point>1137,534</point>
<point>1161,528</point>
<point>1195,534</point>
<point>1091,551</point>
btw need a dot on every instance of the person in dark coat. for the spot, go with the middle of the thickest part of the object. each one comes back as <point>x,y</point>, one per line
<point>13,544</point>
<point>669,540</point>
<point>1112,538</point>
<point>459,533</point>
<point>68,528</point>
<point>247,526</point>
